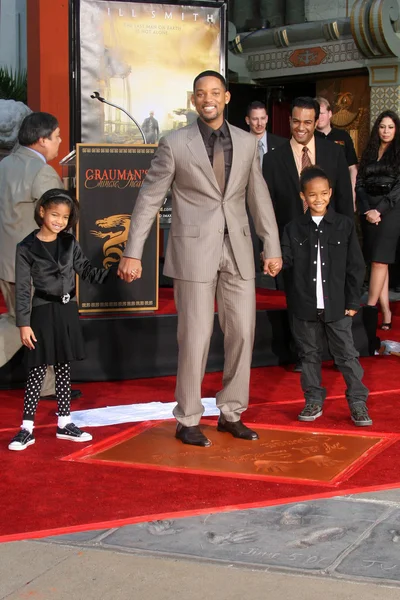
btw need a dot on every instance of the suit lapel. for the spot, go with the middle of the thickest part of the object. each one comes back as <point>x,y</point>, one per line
<point>198,150</point>
<point>64,249</point>
<point>290,166</point>
<point>64,243</point>
<point>270,144</point>
<point>236,153</point>
<point>321,157</point>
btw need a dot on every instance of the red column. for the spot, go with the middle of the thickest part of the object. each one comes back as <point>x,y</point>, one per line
<point>48,63</point>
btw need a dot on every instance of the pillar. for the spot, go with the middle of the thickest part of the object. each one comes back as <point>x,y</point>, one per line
<point>273,11</point>
<point>384,79</point>
<point>243,11</point>
<point>295,12</point>
<point>48,64</point>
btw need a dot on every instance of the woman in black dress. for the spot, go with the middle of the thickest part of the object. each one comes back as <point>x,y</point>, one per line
<point>378,195</point>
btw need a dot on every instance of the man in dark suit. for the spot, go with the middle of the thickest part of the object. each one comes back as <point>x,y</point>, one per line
<point>282,168</point>
<point>151,129</point>
<point>257,119</point>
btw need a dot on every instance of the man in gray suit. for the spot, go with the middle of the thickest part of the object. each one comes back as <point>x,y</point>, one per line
<point>212,168</point>
<point>24,177</point>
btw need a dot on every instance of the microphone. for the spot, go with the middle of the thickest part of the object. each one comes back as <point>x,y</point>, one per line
<point>96,96</point>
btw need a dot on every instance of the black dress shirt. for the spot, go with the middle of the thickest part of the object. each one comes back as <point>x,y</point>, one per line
<point>342,265</point>
<point>226,141</point>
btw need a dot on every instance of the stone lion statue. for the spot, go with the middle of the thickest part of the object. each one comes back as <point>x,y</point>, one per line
<point>12,114</point>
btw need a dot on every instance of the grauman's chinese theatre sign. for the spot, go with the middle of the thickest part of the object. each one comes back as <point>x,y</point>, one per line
<point>109,178</point>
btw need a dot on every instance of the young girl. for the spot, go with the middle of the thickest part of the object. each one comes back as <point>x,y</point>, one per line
<point>50,257</point>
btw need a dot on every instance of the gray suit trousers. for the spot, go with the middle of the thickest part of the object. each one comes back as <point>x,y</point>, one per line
<point>236,312</point>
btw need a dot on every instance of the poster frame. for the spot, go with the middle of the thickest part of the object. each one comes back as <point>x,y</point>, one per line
<point>75,54</point>
<point>116,310</point>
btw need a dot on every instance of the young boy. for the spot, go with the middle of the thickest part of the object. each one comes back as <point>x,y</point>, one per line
<point>326,265</point>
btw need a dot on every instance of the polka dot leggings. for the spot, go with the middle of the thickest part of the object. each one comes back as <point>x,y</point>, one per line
<point>34,384</point>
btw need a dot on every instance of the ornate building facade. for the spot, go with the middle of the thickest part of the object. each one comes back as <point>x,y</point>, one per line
<point>349,50</point>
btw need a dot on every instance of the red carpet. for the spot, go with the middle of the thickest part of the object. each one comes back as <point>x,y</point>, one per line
<point>42,494</point>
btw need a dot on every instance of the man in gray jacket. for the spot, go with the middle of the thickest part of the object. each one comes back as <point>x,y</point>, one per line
<point>24,177</point>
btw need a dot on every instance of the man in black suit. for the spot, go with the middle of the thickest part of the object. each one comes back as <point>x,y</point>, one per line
<point>257,119</point>
<point>282,167</point>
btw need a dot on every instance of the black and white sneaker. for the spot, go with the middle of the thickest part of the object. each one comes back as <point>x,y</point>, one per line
<point>310,412</point>
<point>22,440</point>
<point>73,433</point>
<point>360,416</point>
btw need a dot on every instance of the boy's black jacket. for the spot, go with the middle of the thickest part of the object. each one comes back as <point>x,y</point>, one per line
<point>34,262</point>
<point>342,265</point>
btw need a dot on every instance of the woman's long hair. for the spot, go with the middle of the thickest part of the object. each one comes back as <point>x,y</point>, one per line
<point>392,153</point>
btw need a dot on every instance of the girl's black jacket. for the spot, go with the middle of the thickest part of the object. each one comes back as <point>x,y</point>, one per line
<point>35,265</point>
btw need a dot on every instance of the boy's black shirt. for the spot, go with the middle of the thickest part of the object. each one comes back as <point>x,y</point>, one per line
<point>342,265</point>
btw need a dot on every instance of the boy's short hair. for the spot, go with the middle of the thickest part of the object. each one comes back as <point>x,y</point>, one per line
<point>310,173</point>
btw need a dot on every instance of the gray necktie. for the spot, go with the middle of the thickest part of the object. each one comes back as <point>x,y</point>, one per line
<point>261,151</point>
<point>219,160</point>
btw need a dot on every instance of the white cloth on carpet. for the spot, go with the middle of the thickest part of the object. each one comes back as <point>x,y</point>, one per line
<point>133,413</point>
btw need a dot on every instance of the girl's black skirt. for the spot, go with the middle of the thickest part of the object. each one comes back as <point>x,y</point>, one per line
<point>58,332</point>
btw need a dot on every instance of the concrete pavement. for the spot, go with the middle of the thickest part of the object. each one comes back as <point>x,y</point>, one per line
<point>339,548</point>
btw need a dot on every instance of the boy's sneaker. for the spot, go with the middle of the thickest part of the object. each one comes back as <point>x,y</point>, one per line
<point>73,433</point>
<point>360,416</point>
<point>22,440</point>
<point>310,412</point>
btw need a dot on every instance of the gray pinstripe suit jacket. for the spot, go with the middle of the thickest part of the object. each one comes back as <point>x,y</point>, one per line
<point>200,210</point>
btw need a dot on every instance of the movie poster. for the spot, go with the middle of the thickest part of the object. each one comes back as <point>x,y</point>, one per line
<point>143,58</point>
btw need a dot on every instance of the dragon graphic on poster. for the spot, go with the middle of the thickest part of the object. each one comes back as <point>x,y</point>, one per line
<point>115,238</point>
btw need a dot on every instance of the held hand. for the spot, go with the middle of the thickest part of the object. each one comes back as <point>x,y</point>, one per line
<point>27,337</point>
<point>373,216</point>
<point>129,269</point>
<point>272,266</point>
<point>350,313</point>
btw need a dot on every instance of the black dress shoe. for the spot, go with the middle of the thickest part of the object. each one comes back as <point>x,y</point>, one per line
<point>191,435</point>
<point>237,429</point>
<point>75,394</point>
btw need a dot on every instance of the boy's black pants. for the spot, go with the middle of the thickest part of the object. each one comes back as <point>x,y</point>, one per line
<point>309,339</point>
